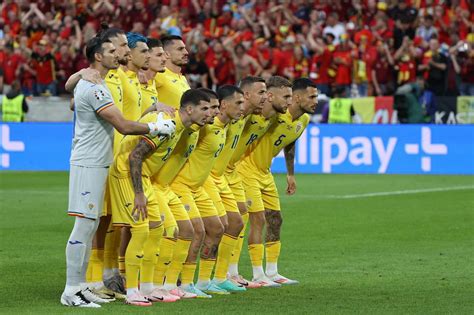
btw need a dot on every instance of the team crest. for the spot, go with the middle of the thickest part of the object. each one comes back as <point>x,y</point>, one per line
<point>99,94</point>
<point>187,207</point>
<point>299,126</point>
<point>91,206</point>
<point>249,202</point>
<point>162,218</point>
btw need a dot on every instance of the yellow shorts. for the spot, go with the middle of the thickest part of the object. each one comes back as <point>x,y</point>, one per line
<point>196,202</point>
<point>213,192</point>
<point>175,206</point>
<point>226,194</point>
<point>166,216</point>
<point>122,198</point>
<point>260,190</point>
<point>234,182</point>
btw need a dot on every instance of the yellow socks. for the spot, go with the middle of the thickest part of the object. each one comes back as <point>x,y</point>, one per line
<point>226,246</point>
<point>179,257</point>
<point>111,246</point>
<point>187,275</point>
<point>205,269</point>
<point>150,251</point>
<point>272,252</point>
<point>256,257</point>
<point>96,264</point>
<point>234,259</point>
<point>134,255</point>
<point>164,259</point>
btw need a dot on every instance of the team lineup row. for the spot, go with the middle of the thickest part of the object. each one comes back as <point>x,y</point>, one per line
<point>163,175</point>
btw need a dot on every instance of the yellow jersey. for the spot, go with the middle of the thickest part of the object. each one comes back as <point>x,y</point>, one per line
<point>114,83</point>
<point>132,96</point>
<point>163,146</point>
<point>234,131</point>
<point>170,87</point>
<point>179,156</point>
<point>255,127</point>
<point>149,95</point>
<point>283,131</point>
<point>211,143</point>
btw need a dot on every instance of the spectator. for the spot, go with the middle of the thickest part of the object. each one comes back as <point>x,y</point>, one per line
<point>462,56</point>
<point>382,75</point>
<point>44,67</point>
<point>196,70</point>
<point>14,104</point>
<point>334,27</point>
<point>405,62</point>
<point>434,66</point>
<point>245,64</point>
<point>221,66</point>
<point>426,30</point>
<point>342,60</point>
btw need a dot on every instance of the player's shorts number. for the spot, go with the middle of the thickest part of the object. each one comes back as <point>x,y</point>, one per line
<point>279,140</point>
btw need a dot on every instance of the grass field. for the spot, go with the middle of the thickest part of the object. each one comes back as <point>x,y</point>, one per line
<point>357,243</point>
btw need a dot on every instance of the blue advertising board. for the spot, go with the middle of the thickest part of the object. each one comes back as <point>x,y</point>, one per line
<point>363,149</point>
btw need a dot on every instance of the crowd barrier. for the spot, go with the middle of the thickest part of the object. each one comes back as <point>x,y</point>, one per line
<point>363,149</point>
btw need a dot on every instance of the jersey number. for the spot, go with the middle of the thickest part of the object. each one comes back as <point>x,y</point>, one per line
<point>189,151</point>
<point>234,143</point>
<point>221,146</point>
<point>252,138</point>
<point>120,93</point>
<point>167,155</point>
<point>280,140</point>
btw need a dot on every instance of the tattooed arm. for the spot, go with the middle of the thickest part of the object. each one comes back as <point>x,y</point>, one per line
<point>289,151</point>
<point>141,151</point>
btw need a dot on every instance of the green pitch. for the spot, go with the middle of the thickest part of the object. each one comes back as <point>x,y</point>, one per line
<point>358,244</point>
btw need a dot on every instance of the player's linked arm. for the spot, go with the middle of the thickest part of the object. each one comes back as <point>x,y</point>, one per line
<point>289,152</point>
<point>87,74</point>
<point>126,127</point>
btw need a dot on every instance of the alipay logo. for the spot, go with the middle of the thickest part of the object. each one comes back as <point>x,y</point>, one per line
<point>369,149</point>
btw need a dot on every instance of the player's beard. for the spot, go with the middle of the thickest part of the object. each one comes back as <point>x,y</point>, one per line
<point>123,61</point>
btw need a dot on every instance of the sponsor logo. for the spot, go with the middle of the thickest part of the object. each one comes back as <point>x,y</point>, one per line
<point>9,146</point>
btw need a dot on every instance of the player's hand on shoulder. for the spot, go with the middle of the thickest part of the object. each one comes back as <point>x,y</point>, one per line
<point>162,126</point>
<point>91,75</point>
<point>160,107</point>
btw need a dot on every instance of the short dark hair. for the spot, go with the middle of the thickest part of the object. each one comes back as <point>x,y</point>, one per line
<point>247,81</point>
<point>168,39</point>
<point>153,42</point>
<point>303,84</point>
<point>277,81</point>
<point>209,92</point>
<point>227,91</point>
<point>107,32</point>
<point>193,97</point>
<point>93,46</point>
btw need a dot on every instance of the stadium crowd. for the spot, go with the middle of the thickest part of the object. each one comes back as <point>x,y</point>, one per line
<point>364,47</point>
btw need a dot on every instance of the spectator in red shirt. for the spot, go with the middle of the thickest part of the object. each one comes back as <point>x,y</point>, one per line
<point>405,62</point>
<point>382,73</point>
<point>299,65</point>
<point>221,67</point>
<point>342,59</point>
<point>45,69</point>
